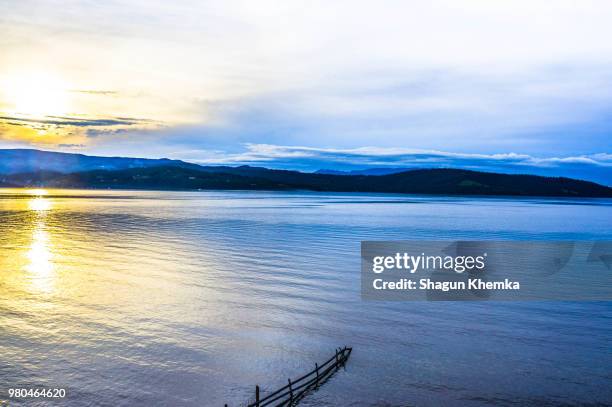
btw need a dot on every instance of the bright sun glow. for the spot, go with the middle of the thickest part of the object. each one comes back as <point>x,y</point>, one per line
<point>36,95</point>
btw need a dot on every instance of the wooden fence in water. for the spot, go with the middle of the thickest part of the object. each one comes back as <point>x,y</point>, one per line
<point>291,393</point>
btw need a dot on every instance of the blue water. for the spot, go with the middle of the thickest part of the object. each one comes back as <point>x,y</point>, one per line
<point>190,299</point>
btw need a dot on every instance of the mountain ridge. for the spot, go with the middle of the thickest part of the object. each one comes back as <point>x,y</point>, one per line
<point>37,168</point>
<point>424,181</point>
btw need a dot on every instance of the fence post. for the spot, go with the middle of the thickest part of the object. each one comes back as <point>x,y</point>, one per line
<point>290,393</point>
<point>257,395</point>
<point>336,358</point>
<point>317,369</point>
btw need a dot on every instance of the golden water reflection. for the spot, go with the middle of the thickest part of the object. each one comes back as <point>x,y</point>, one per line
<point>59,255</point>
<point>40,253</point>
<point>40,259</point>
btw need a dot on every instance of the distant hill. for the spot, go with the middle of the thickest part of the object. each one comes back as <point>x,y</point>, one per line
<point>162,178</point>
<point>431,181</point>
<point>35,168</point>
<point>14,161</point>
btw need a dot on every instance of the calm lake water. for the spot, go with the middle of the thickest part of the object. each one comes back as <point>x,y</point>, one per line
<point>190,299</point>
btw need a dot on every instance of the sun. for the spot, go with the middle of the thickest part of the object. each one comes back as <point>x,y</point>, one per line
<point>35,94</point>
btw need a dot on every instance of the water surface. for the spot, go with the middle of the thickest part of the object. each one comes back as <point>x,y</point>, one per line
<point>191,298</point>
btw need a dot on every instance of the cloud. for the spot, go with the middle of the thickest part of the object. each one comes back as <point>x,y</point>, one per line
<point>521,75</point>
<point>62,121</point>
<point>67,131</point>
<point>96,92</point>
<point>442,110</point>
<point>386,157</point>
<point>72,146</point>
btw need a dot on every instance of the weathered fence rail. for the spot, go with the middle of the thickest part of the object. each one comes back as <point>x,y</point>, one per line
<point>292,392</point>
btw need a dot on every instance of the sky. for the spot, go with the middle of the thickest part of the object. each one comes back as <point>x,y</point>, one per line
<point>514,86</point>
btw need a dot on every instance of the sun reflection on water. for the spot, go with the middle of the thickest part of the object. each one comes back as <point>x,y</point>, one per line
<point>39,204</point>
<point>40,258</point>
<point>40,254</point>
